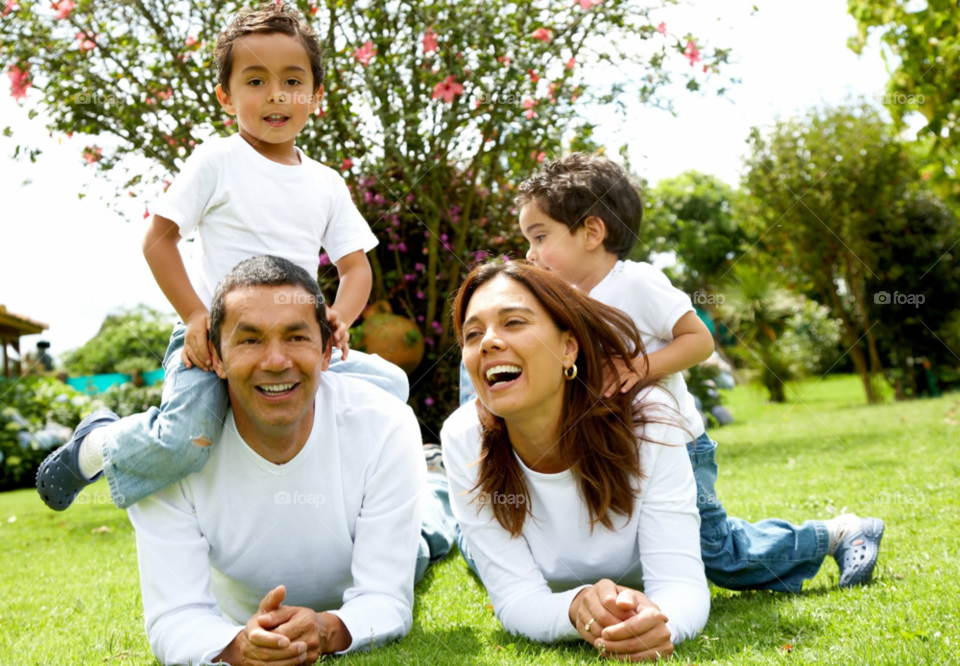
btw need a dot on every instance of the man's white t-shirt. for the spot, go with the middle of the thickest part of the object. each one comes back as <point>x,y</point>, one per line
<point>242,205</point>
<point>655,305</point>
<point>339,525</point>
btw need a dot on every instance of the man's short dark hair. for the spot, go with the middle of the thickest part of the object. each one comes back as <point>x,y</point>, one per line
<point>267,19</point>
<point>581,185</point>
<point>265,271</point>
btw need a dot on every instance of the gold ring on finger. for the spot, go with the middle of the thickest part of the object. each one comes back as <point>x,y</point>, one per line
<point>587,626</point>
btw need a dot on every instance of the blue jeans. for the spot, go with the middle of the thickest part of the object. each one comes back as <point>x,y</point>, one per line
<point>771,554</point>
<point>146,452</point>
<point>438,527</point>
<point>467,392</point>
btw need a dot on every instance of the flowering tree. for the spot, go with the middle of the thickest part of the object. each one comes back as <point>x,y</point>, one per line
<point>433,111</point>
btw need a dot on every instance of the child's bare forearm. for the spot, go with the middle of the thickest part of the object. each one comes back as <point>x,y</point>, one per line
<point>356,279</point>
<point>163,256</point>
<point>684,352</point>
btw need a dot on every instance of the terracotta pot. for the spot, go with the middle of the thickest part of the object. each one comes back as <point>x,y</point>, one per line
<point>394,338</point>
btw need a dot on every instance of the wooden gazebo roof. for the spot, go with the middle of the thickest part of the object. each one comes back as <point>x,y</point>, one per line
<point>12,327</point>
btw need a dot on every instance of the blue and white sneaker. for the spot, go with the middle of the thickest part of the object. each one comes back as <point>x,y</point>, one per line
<point>59,479</point>
<point>856,554</point>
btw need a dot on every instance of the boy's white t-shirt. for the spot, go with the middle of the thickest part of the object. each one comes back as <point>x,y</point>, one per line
<point>655,305</point>
<point>242,205</point>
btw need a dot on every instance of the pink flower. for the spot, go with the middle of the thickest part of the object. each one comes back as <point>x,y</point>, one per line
<point>92,154</point>
<point>19,81</point>
<point>229,122</point>
<point>503,60</point>
<point>190,41</point>
<point>313,8</point>
<point>587,4</point>
<point>539,157</point>
<point>691,53</point>
<point>64,8</point>
<point>324,259</point>
<point>662,29</point>
<point>364,53</point>
<point>533,75</point>
<point>430,41</point>
<point>146,213</point>
<point>543,34</point>
<point>571,63</point>
<point>447,89</point>
<point>165,95</point>
<point>9,6</point>
<point>420,295</point>
<point>86,42</point>
<point>428,401</point>
<point>347,164</point>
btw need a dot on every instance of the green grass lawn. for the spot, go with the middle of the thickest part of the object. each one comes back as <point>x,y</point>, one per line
<point>69,590</point>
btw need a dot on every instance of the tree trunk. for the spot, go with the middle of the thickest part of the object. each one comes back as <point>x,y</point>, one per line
<point>852,338</point>
<point>776,388</point>
<point>857,287</point>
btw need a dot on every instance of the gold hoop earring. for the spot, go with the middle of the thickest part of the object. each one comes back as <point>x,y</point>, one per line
<point>571,372</point>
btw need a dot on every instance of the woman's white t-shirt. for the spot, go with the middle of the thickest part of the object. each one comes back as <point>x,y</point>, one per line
<point>533,579</point>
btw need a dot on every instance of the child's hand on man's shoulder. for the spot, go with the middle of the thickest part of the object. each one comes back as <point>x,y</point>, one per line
<point>196,347</point>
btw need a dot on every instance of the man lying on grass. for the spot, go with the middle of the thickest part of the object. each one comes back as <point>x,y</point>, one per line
<point>311,496</point>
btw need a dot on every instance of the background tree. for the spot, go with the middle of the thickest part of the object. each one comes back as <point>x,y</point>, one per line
<point>757,306</point>
<point>693,215</point>
<point>433,111</point>
<point>839,203</point>
<point>918,281</point>
<point>821,187</point>
<point>923,38</point>
<point>135,338</point>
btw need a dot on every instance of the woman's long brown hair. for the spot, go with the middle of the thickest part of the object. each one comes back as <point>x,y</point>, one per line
<point>599,441</point>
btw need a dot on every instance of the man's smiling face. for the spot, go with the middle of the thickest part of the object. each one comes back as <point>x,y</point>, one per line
<point>272,357</point>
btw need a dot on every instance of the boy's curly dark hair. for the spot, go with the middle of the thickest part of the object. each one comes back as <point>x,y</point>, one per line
<point>266,19</point>
<point>581,185</point>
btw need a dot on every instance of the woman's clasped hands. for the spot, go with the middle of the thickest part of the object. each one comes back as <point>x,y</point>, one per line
<point>621,623</point>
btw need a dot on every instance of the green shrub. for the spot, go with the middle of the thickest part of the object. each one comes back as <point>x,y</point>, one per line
<point>28,405</point>
<point>127,399</point>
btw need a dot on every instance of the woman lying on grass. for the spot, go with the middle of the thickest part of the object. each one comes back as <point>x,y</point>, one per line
<point>577,502</point>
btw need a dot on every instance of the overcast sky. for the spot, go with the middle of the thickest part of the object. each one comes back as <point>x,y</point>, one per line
<point>69,262</point>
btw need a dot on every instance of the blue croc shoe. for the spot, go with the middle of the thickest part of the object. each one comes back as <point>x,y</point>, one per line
<point>59,479</point>
<point>857,554</point>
